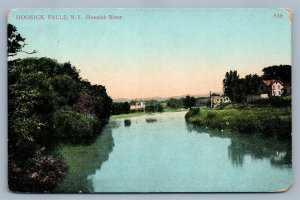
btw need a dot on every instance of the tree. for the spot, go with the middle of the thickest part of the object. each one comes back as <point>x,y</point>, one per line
<point>189,102</point>
<point>175,103</point>
<point>15,42</point>
<point>231,85</point>
<point>252,84</point>
<point>281,72</point>
<point>120,108</point>
<point>48,103</point>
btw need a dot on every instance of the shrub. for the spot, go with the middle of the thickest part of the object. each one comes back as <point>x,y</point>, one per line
<point>192,112</point>
<point>268,122</point>
<point>75,127</point>
<point>245,126</point>
<point>38,174</point>
<point>279,127</point>
<point>277,102</point>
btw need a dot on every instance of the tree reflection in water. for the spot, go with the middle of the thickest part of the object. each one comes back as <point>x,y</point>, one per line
<point>84,161</point>
<point>258,147</point>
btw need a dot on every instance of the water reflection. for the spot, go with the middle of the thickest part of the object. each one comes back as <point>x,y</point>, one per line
<point>85,160</point>
<point>278,152</point>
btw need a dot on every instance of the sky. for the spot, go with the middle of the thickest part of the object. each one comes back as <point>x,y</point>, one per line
<point>159,52</point>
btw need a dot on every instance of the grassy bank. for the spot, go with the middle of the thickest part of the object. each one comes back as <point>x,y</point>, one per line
<point>245,120</point>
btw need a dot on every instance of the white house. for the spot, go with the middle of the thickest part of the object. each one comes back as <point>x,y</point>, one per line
<point>273,87</point>
<point>216,100</point>
<point>138,106</point>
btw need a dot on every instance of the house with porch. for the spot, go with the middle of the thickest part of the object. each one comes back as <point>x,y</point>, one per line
<point>272,87</point>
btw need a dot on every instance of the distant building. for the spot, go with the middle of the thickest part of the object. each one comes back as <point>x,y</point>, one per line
<point>254,97</point>
<point>272,87</point>
<point>202,101</point>
<point>217,100</point>
<point>138,106</point>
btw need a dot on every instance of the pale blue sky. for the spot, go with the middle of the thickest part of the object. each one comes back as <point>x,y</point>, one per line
<point>161,52</point>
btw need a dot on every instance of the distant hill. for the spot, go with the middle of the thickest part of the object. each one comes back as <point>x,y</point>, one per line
<point>160,98</point>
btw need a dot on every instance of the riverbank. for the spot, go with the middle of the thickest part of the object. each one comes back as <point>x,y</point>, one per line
<point>137,114</point>
<point>268,122</point>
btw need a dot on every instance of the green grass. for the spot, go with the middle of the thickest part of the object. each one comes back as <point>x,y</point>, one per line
<point>246,120</point>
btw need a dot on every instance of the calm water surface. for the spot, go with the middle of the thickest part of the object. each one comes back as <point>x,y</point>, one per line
<point>169,155</point>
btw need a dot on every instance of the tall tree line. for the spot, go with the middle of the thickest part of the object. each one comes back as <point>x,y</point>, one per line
<point>48,104</point>
<point>237,88</point>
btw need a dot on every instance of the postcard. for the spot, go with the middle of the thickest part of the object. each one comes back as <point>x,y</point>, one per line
<point>149,100</point>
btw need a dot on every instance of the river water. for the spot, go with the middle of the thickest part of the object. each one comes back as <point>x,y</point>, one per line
<point>168,155</point>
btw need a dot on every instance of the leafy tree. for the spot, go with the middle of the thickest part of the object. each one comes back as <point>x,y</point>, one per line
<point>120,108</point>
<point>175,103</point>
<point>230,84</point>
<point>252,84</point>
<point>189,102</point>
<point>153,106</point>
<point>279,72</point>
<point>49,103</point>
<point>15,42</point>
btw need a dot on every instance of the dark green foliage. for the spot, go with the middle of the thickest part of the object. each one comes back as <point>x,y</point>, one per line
<point>37,174</point>
<point>189,102</point>
<point>151,108</point>
<point>120,108</point>
<point>281,72</point>
<point>74,127</point>
<point>66,89</point>
<point>277,102</point>
<point>237,88</point>
<point>192,112</point>
<point>267,122</point>
<point>252,84</point>
<point>175,103</point>
<point>281,127</point>
<point>231,85</point>
<point>245,126</point>
<point>49,103</point>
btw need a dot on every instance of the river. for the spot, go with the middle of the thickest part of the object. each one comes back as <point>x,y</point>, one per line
<point>169,155</point>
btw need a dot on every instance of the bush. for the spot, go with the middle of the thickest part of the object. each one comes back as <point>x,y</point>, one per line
<point>38,174</point>
<point>277,102</point>
<point>154,108</point>
<point>192,112</point>
<point>74,127</point>
<point>280,127</point>
<point>245,126</point>
<point>268,122</point>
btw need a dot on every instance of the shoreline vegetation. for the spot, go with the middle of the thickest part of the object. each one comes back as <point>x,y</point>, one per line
<point>49,104</point>
<point>245,119</point>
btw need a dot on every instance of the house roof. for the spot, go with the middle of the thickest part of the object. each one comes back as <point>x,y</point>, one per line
<point>271,82</point>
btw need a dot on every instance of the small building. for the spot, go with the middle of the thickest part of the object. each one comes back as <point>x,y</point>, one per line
<point>254,97</point>
<point>138,106</point>
<point>272,87</point>
<point>202,101</point>
<point>217,100</point>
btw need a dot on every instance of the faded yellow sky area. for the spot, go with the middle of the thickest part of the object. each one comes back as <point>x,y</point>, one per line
<point>146,83</point>
<point>126,82</point>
